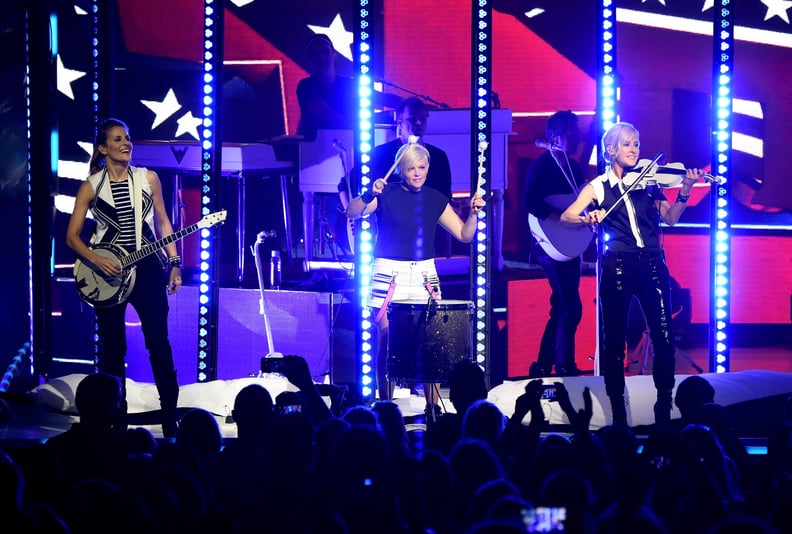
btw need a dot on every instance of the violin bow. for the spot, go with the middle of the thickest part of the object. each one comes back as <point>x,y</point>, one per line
<point>641,176</point>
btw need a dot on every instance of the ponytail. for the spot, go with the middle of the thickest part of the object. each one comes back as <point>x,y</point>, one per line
<point>97,162</point>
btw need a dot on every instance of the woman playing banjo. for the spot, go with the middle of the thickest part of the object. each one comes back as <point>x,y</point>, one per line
<point>127,205</point>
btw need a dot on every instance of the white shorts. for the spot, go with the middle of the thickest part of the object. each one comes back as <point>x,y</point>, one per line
<point>410,278</point>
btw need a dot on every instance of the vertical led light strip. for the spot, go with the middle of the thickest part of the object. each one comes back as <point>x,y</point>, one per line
<point>607,88</point>
<point>607,115</point>
<point>720,227</point>
<point>211,156</point>
<point>364,141</point>
<point>481,129</point>
<point>99,43</point>
<point>28,58</point>
<point>41,50</point>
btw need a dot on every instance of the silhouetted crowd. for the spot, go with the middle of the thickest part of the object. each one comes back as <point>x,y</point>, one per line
<point>295,466</point>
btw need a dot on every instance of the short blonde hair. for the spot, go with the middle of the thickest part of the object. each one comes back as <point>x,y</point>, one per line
<point>615,135</point>
<point>408,155</point>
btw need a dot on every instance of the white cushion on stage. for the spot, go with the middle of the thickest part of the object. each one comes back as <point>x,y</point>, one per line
<point>216,396</point>
<point>640,394</point>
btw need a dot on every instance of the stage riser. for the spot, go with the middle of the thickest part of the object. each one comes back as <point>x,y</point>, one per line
<point>300,324</point>
<point>305,323</point>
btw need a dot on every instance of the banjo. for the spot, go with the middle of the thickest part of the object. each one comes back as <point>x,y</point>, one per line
<point>103,291</point>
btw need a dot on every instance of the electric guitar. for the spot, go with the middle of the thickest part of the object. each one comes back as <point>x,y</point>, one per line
<point>102,291</point>
<point>562,242</point>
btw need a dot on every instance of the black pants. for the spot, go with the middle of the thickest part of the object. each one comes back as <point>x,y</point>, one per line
<point>645,275</point>
<point>558,341</point>
<point>150,300</point>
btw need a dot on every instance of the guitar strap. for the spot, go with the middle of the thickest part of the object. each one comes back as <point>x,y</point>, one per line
<point>388,298</point>
<point>98,189</point>
<point>568,174</point>
<point>137,201</point>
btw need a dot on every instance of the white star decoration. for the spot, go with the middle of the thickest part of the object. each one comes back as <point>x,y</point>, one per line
<point>342,39</point>
<point>163,110</point>
<point>777,8</point>
<point>188,124</point>
<point>66,77</point>
<point>87,146</point>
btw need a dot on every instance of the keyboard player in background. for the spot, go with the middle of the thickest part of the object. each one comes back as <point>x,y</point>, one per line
<point>412,118</point>
<point>329,101</point>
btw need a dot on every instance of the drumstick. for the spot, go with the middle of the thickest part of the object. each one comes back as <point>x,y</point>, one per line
<point>411,140</point>
<point>482,147</point>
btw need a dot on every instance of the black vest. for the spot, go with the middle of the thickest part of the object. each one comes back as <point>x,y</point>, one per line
<point>634,225</point>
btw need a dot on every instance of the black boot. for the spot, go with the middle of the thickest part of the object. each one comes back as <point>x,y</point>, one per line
<point>168,389</point>
<point>432,413</point>
<point>169,424</point>
<point>120,424</point>
<point>567,369</point>
<point>618,410</point>
<point>662,411</point>
<point>537,371</point>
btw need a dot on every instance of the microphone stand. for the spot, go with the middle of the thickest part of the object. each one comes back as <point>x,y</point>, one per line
<point>441,105</point>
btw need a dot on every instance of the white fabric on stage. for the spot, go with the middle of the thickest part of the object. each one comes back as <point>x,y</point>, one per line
<point>216,396</point>
<point>640,394</point>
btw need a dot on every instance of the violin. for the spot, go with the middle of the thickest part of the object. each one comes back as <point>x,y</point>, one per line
<point>648,172</point>
<point>669,175</point>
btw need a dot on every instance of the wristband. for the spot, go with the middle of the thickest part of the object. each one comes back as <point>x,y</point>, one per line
<point>682,198</point>
<point>367,197</point>
<point>175,261</point>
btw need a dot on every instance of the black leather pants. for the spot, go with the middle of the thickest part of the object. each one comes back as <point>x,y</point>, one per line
<point>645,275</point>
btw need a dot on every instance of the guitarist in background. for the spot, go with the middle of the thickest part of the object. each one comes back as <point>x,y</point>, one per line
<point>110,192</point>
<point>555,175</point>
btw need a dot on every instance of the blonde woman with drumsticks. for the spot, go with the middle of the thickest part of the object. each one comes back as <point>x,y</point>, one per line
<point>408,213</point>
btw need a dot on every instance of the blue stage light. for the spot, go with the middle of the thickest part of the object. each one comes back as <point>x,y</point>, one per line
<point>364,136</point>
<point>720,229</point>
<point>211,154</point>
<point>481,129</point>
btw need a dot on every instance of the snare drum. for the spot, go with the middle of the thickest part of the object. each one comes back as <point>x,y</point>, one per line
<point>426,339</point>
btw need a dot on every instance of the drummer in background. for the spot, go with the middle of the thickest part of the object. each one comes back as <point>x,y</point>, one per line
<point>408,212</point>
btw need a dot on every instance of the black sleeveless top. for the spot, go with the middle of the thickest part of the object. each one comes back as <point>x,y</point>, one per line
<point>634,225</point>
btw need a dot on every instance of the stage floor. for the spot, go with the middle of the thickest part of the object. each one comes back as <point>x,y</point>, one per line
<point>754,391</point>
<point>326,326</point>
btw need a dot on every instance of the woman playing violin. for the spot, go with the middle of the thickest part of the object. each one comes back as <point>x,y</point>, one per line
<point>632,263</point>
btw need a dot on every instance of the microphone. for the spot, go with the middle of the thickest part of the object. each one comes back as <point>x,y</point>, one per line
<point>546,144</point>
<point>338,146</point>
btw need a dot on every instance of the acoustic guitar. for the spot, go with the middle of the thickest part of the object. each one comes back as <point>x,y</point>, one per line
<point>562,242</point>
